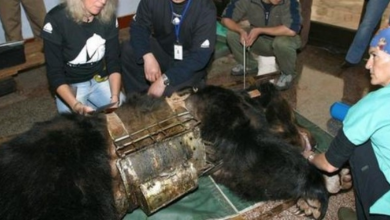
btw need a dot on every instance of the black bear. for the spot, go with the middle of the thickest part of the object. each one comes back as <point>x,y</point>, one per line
<point>59,169</point>
<point>257,164</point>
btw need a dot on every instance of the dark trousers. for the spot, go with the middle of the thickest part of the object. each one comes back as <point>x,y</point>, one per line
<point>369,181</point>
<point>133,75</point>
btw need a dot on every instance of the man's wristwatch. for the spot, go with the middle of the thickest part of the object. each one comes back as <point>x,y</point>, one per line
<point>165,79</point>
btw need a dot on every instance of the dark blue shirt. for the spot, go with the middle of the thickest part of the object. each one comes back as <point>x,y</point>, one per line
<point>197,34</point>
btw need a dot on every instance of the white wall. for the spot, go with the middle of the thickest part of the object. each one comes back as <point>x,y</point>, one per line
<point>125,7</point>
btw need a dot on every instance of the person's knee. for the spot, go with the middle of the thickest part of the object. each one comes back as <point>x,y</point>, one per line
<point>127,50</point>
<point>232,37</point>
<point>128,59</point>
<point>285,45</point>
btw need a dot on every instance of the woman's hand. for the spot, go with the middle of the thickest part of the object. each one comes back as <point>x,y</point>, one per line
<point>81,109</point>
<point>115,99</point>
<point>308,154</point>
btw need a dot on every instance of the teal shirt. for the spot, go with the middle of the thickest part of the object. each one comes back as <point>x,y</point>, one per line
<point>370,119</point>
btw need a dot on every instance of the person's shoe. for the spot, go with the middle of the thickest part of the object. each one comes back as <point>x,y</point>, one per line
<point>347,64</point>
<point>345,213</point>
<point>284,82</point>
<point>238,70</point>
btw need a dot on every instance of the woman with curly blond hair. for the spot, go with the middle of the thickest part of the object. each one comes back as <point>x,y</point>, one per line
<point>81,48</point>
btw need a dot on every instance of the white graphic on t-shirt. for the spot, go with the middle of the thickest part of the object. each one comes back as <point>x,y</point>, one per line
<point>48,28</point>
<point>93,51</point>
<point>205,44</point>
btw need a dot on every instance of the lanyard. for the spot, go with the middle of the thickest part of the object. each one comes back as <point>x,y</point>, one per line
<point>177,26</point>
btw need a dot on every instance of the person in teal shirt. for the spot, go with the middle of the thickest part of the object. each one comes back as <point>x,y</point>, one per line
<point>364,139</point>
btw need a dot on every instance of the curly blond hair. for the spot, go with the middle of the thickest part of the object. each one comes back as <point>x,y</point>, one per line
<point>77,10</point>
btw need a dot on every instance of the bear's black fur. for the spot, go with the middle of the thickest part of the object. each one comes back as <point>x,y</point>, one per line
<point>257,164</point>
<point>281,117</point>
<point>59,169</point>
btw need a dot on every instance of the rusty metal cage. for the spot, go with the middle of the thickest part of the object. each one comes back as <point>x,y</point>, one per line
<point>160,162</point>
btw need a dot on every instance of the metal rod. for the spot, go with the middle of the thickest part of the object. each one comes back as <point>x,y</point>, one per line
<point>157,128</point>
<point>244,60</point>
<point>223,195</point>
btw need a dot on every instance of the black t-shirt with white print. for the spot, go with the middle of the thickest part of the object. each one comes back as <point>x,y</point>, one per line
<point>76,52</point>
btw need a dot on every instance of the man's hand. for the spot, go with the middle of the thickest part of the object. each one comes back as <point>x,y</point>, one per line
<point>157,88</point>
<point>244,38</point>
<point>253,35</point>
<point>151,68</point>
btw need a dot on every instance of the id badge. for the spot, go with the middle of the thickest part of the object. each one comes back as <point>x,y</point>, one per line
<point>178,49</point>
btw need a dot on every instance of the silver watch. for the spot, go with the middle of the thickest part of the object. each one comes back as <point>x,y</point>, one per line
<point>165,79</point>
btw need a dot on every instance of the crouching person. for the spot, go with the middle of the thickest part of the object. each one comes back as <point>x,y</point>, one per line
<point>364,142</point>
<point>273,31</point>
<point>81,47</point>
<point>171,43</point>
